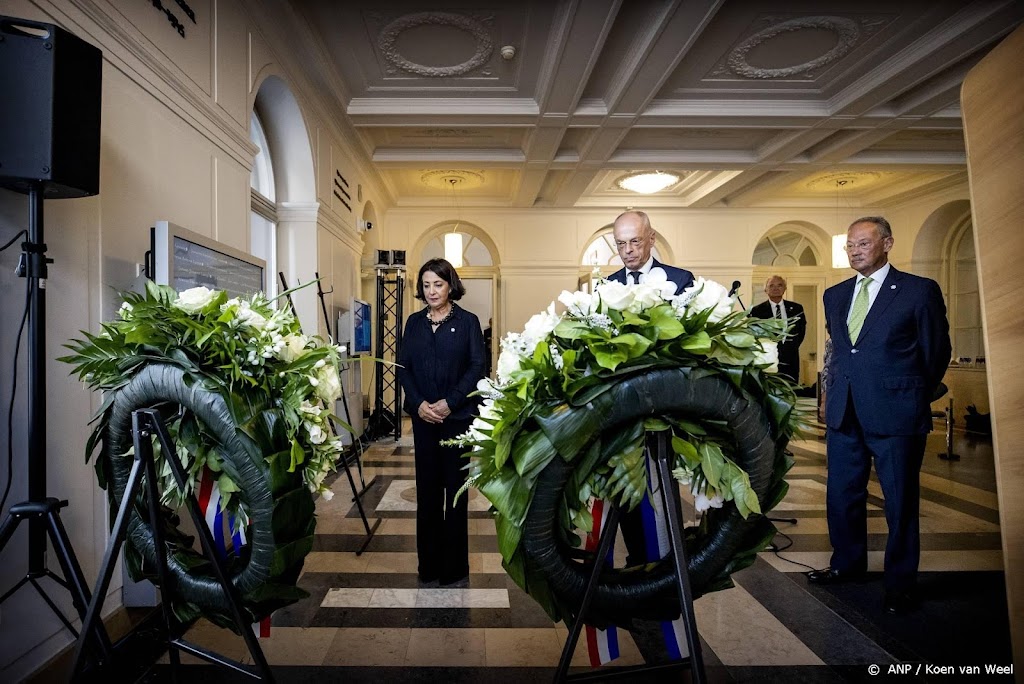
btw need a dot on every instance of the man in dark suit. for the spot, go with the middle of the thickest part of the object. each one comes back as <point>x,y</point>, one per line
<point>890,349</point>
<point>634,239</point>
<point>792,314</point>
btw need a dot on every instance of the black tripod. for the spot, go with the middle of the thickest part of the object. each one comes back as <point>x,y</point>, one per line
<point>40,511</point>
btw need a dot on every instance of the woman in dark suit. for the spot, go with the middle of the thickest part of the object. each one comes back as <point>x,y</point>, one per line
<point>442,359</point>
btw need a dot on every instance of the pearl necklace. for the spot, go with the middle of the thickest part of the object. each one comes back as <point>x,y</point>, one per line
<point>451,310</point>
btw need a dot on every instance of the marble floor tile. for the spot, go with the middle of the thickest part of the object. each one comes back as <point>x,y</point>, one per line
<point>363,646</point>
<point>341,561</point>
<point>393,598</point>
<point>522,647</point>
<point>447,647</point>
<point>762,639</point>
<point>347,598</point>
<point>298,645</point>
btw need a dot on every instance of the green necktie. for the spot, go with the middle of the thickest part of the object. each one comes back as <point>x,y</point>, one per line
<point>859,311</point>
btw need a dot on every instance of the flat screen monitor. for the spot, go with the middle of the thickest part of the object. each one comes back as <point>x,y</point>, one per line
<point>362,327</point>
<point>183,259</point>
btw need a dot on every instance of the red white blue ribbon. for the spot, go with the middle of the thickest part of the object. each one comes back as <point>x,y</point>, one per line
<point>602,644</point>
<point>209,498</point>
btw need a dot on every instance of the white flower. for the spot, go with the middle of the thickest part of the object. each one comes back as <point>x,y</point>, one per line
<point>538,328</point>
<point>248,317</point>
<point>125,311</point>
<point>657,278</point>
<point>701,502</point>
<point>194,299</point>
<point>508,363</point>
<point>317,435</point>
<point>487,388</point>
<point>768,356</point>
<point>328,386</point>
<point>327,494</point>
<point>646,296</point>
<point>707,294</point>
<point>293,347</point>
<point>614,295</point>
<point>580,304</point>
<point>487,410</point>
<point>556,356</point>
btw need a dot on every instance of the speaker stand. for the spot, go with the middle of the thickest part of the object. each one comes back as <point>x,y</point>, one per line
<point>42,513</point>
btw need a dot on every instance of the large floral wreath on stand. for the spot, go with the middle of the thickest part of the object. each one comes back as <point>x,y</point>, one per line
<point>244,395</point>
<point>565,422</point>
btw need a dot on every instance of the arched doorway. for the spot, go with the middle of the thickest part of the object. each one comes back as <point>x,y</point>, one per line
<point>798,252</point>
<point>479,273</point>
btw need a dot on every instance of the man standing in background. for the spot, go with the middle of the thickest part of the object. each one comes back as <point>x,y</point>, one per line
<point>790,313</point>
<point>890,349</point>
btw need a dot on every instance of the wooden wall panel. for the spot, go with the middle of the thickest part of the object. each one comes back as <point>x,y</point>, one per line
<point>992,100</point>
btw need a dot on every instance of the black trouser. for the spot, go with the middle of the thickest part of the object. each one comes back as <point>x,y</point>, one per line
<point>442,525</point>
<point>898,465</point>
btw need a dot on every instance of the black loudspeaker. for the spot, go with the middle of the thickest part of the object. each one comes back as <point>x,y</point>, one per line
<point>50,116</point>
<point>398,257</point>
<point>383,257</point>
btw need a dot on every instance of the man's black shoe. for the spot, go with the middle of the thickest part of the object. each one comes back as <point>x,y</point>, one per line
<point>833,576</point>
<point>899,602</point>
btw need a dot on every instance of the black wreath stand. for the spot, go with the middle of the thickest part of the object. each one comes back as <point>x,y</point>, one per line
<point>145,423</point>
<point>41,512</point>
<point>659,449</point>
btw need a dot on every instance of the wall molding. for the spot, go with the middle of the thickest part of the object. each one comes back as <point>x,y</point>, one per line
<point>126,49</point>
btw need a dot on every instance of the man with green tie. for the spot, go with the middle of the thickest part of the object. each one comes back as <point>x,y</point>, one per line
<point>890,349</point>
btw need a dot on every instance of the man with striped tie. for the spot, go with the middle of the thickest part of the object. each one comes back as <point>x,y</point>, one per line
<point>890,349</point>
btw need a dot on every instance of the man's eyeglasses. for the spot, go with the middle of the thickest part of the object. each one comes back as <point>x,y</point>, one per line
<point>635,242</point>
<point>863,244</point>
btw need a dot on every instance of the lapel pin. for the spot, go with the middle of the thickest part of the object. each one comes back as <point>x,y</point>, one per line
<point>892,287</point>
<point>453,329</point>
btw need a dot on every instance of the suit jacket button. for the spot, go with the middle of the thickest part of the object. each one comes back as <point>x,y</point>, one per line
<point>853,351</point>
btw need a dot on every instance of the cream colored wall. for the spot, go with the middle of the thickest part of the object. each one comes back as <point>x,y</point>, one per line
<point>539,250</point>
<point>174,147</point>
<point>992,99</point>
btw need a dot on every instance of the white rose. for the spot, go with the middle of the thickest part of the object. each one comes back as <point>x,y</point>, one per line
<point>293,346</point>
<point>508,363</point>
<point>580,304</point>
<point>538,328</point>
<point>195,299</point>
<point>328,386</point>
<point>316,433</point>
<point>658,279</point>
<point>768,356</point>
<point>614,295</point>
<point>707,294</point>
<point>327,494</point>
<point>645,297</point>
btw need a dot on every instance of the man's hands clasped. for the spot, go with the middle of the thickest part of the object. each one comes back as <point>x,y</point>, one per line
<point>435,412</point>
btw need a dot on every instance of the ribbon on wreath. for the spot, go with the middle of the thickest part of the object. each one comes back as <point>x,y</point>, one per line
<point>209,498</point>
<point>603,644</point>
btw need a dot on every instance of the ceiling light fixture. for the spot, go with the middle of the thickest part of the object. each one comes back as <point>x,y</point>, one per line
<point>453,240</point>
<point>647,182</point>
<point>840,259</point>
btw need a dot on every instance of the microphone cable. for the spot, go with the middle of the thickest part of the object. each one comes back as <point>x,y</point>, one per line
<point>14,381</point>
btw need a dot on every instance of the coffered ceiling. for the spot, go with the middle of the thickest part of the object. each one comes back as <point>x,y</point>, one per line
<point>750,102</point>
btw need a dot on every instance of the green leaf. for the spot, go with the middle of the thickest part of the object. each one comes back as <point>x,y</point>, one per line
<point>712,461</point>
<point>298,455</point>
